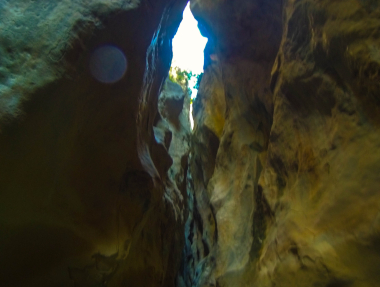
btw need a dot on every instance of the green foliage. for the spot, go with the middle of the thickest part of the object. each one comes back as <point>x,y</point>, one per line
<point>199,79</point>
<point>182,77</point>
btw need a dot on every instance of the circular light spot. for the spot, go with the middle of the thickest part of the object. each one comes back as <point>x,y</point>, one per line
<point>108,64</point>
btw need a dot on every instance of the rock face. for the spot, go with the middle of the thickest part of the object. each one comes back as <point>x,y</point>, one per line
<point>284,167</point>
<point>281,184</point>
<point>173,107</point>
<point>88,196</point>
<point>322,175</point>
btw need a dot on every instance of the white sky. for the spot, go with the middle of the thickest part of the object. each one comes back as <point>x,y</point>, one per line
<point>188,45</point>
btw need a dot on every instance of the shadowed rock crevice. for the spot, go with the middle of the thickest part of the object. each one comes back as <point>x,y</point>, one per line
<point>235,103</point>
<point>80,205</point>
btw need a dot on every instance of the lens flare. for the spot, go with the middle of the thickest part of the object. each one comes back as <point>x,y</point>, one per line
<point>108,64</point>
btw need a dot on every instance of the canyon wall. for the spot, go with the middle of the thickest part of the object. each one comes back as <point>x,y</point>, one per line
<point>89,195</point>
<point>284,167</point>
<point>101,183</point>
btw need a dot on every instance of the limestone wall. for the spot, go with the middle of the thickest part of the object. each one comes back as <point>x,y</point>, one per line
<point>287,194</point>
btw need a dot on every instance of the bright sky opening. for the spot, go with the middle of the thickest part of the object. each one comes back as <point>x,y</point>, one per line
<point>188,46</point>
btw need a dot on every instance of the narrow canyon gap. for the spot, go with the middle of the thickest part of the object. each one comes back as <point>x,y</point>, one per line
<point>103,182</point>
<point>188,57</point>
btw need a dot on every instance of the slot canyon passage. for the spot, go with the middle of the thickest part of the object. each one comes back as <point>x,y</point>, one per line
<point>103,182</point>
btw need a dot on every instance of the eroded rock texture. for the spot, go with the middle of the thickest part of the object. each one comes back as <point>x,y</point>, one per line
<point>86,198</point>
<point>322,175</point>
<point>284,169</point>
<point>281,185</point>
